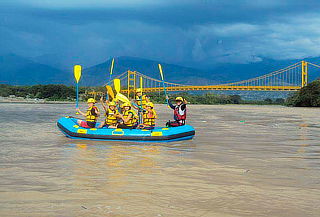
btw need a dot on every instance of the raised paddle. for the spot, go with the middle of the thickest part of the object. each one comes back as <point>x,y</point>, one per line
<point>162,78</point>
<point>117,87</point>
<point>109,88</point>
<point>77,76</point>
<point>111,68</point>
<point>110,92</point>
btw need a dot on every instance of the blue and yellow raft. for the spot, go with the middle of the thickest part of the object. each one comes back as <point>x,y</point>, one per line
<point>69,127</point>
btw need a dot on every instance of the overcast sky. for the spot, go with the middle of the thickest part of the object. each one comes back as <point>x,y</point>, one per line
<point>188,32</point>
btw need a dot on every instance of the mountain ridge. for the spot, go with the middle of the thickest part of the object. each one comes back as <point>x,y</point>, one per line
<point>19,70</point>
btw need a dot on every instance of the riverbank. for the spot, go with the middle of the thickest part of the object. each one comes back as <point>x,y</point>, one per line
<point>22,100</point>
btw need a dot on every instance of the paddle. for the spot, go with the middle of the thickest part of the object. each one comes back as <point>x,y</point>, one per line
<point>77,76</point>
<point>162,78</point>
<point>111,68</point>
<point>117,87</point>
<point>110,92</point>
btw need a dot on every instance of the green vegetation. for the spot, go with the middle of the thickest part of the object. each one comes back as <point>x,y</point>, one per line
<point>308,96</point>
<point>53,92</point>
<point>212,99</point>
<point>56,92</point>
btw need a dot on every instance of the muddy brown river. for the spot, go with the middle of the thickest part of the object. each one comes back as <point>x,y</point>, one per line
<point>244,161</point>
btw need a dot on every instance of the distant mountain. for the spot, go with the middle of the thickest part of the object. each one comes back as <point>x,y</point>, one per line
<point>18,70</point>
<point>15,69</point>
<point>220,73</point>
<point>99,74</point>
<point>231,72</point>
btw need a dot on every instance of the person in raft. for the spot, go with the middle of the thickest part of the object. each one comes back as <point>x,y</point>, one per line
<point>141,99</point>
<point>128,117</point>
<point>149,117</point>
<point>179,113</point>
<point>112,115</point>
<point>91,115</point>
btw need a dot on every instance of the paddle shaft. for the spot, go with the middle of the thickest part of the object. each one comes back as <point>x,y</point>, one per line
<point>163,84</point>
<point>110,75</point>
<point>77,94</point>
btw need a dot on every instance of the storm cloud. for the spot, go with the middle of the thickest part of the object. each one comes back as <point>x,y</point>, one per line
<point>189,32</point>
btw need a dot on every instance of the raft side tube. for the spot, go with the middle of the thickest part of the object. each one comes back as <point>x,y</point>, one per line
<point>69,127</point>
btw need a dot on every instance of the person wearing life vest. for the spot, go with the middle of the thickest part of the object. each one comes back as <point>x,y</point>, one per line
<point>149,117</point>
<point>179,112</point>
<point>128,117</point>
<point>112,116</point>
<point>91,115</point>
<point>141,99</point>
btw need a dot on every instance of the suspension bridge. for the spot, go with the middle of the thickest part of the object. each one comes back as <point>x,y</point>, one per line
<point>290,78</point>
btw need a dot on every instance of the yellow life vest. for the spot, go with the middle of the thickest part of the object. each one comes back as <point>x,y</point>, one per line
<point>141,100</point>
<point>133,120</point>
<point>91,116</point>
<point>111,118</point>
<point>150,121</point>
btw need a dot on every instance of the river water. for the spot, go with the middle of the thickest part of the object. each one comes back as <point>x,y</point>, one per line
<point>244,161</point>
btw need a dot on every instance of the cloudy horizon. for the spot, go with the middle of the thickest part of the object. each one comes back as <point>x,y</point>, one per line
<point>188,33</point>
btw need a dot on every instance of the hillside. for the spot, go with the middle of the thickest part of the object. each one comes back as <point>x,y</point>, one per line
<point>23,71</point>
<point>18,70</point>
<point>98,74</point>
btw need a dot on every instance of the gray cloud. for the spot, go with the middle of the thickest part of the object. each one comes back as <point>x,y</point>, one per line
<point>192,33</point>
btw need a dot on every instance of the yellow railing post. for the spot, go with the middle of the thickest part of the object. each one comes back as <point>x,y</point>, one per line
<point>304,73</point>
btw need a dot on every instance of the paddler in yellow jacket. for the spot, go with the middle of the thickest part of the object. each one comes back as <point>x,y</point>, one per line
<point>141,99</point>
<point>149,117</point>
<point>112,116</point>
<point>128,117</point>
<point>91,115</point>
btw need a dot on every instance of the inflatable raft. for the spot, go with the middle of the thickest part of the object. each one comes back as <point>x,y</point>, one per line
<point>69,127</point>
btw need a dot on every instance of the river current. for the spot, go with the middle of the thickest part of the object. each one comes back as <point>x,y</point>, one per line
<point>244,161</point>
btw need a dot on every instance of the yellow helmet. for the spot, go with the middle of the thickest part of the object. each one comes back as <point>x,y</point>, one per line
<point>150,104</point>
<point>112,104</point>
<point>179,98</point>
<point>91,100</point>
<point>126,104</point>
<point>139,90</point>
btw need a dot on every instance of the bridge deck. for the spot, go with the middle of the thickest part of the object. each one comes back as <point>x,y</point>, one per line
<point>222,87</point>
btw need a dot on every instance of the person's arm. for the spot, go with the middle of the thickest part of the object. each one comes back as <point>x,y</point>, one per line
<point>183,106</point>
<point>103,105</point>
<point>133,103</point>
<point>155,114</point>
<point>126,119</point>
<point>169,103</point>
<point>83,114</point>
<point>95,112</point>
<point>147,98</point>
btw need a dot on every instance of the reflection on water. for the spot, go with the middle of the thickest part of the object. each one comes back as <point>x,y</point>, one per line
<point>244,161</point>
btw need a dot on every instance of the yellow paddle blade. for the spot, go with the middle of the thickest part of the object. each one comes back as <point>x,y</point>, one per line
<point>77,72</point>
<point>110,91</point>
<point>117,85</point>
<point>122,98</point>
<point>111,68</point>
<point>160,69</point>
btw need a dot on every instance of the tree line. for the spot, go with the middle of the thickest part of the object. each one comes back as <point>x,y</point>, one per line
<point>59,92</point>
